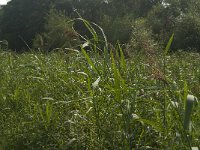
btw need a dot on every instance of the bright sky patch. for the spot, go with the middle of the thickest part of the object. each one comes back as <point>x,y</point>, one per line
<point>3,2</point>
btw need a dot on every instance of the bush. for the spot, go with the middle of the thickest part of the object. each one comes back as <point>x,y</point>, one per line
<point>187,32</point>
<point>141,38</point>
<point>161,19</point>
<point>58,33</point>
<point>4,45</point>
<point>117,29</point>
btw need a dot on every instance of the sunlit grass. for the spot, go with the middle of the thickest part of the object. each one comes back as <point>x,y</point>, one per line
<point>76,101</point>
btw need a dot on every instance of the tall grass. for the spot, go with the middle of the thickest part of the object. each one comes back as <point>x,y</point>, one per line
<point>87,100</point>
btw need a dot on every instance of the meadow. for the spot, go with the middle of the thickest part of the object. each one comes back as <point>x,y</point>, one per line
<point>90,100</point>
<point>108,83</point>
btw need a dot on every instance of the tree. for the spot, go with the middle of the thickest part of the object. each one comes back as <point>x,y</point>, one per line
<point>21,20</point>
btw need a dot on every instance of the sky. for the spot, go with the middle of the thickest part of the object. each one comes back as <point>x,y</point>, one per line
<point>3,2</point>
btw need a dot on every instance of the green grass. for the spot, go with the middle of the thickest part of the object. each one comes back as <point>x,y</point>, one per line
<point>86,101</point>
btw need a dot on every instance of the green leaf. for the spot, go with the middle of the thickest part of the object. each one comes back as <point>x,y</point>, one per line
<point>90,28</point>
<point>169,44</point>
<point>185,92</point>
<point>115,72</point>
<point>89,60</point>
<point>153,124</point>
<point>122,59</point>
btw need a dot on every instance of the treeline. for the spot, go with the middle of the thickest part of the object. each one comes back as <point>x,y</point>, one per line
<point>50,24</point>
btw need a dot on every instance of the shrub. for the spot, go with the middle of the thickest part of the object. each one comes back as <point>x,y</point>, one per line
<point>58,33</point>
<point>187,32</point>
<point>161,19</point>
<point>4,45</point>
<point>117,29</point>
<point>141,38</point>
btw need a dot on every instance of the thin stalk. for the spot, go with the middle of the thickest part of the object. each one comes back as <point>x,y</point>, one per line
<point>164,65</point>
<point>164,102</point>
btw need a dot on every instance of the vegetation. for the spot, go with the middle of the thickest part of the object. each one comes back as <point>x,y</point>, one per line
<point>25,21</point>
<point>73,101</point>
<point>125,77</point>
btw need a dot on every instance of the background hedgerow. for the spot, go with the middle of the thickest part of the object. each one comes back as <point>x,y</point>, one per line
<point>58,34</point>
<point>28,24</point>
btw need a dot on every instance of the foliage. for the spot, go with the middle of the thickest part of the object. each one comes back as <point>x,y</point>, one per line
<point>136,8</point>
<point>21,20</point>
<point>178,17</point>
<point>91,100</point>
<point>187,32</point>
<point>3,45</point>
<point>141,38</point>
<point>57,34</point>
<point>161,20</point>
<point>114,28</point>
<point>25,29</point>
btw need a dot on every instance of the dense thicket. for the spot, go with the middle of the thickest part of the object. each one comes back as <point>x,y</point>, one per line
<point>21,20</point>
<point>25,21</point>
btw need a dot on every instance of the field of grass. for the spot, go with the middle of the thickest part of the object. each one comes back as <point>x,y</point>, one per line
<point>80,101</point>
